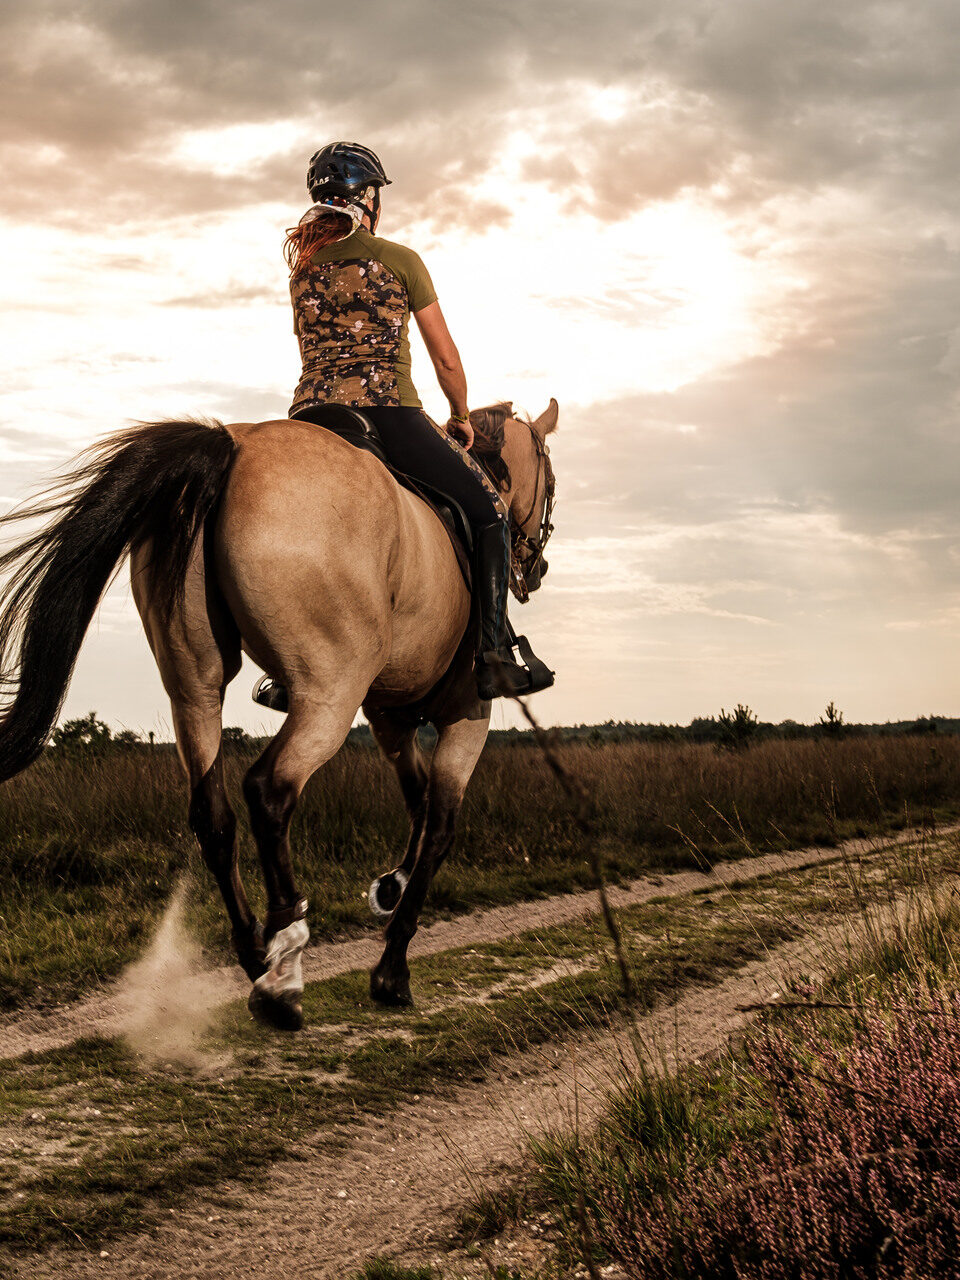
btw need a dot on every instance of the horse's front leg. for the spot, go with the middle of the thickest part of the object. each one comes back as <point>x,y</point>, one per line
<point>398,743</point>
<point>457,751</point>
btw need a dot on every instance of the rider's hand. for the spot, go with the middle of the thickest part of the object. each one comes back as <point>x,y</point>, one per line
<point>462,432</point>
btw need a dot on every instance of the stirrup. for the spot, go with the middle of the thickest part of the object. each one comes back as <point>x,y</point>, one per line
<point>541,677</point>
<point>268,692</point>
<point>500,675</point>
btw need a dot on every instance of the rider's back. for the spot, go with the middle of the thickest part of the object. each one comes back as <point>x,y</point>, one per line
<point>351,303</point>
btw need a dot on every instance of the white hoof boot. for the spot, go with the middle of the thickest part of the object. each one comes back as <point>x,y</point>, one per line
<point>284,977</point>
<point>386,892</point>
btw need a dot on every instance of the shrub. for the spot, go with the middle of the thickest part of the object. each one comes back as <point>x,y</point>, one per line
<point>86,733</point>
<point>859,1175</point>
<point>831,722</point>
<point>737,729</point>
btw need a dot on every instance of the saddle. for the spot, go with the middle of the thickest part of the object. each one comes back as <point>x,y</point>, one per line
<point>355,428</point>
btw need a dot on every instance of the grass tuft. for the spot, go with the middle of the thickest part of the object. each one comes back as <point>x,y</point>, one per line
<point>383,1269</point>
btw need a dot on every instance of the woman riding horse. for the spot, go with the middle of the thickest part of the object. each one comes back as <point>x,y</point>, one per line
<point>353,294</point>
<point>282,541</point>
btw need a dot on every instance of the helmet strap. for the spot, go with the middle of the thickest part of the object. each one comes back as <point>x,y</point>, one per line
<point>375,209</point>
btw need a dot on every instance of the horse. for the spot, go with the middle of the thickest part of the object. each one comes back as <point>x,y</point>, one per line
<point>280,540</point>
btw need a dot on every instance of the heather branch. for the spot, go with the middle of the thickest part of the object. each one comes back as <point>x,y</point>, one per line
<point>865,1161</point>
<point>766,1005</point>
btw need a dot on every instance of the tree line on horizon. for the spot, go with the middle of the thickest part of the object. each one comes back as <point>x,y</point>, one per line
<point>732,730</point>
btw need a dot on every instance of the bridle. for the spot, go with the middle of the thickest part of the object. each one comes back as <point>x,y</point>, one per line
<point>522,543</point>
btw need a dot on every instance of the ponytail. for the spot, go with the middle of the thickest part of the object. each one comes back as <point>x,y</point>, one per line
<point>314,233</point>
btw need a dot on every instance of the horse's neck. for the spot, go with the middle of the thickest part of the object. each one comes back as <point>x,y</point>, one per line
<point>518,453</point>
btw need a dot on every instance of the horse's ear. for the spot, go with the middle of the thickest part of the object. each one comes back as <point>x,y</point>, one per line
<point>547,421</point>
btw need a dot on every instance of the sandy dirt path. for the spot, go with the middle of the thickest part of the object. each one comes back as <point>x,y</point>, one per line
<point>105,1012</point>
<point>395,1188</point>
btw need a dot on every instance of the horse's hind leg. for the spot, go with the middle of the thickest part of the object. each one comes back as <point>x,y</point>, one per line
<point>454,758</point>
<point>309,737</point>
<point>399,744</point>
<point>214,823</point>
<point>197,651</point>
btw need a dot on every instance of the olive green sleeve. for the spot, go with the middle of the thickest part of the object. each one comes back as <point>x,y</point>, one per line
<point>408,267</point>
<point>420,288</point>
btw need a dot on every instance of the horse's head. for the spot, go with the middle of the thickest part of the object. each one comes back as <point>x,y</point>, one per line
<point>516,453</point>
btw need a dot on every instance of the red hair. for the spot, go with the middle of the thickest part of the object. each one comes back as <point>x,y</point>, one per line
<point>304,240</point>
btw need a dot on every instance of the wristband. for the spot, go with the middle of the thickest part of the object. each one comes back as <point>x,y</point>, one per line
<point>457,417</point>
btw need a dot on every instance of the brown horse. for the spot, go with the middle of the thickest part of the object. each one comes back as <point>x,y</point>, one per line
<point>280,540</point>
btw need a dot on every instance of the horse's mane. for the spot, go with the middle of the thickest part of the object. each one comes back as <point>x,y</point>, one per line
<point>487,426</point>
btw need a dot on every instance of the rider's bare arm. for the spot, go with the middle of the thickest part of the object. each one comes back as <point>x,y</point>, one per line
<point>446,363</point>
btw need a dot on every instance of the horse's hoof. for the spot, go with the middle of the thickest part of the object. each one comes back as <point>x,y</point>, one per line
<point>386,892</point>
<point>285,1012</point>
<point>392,995</point>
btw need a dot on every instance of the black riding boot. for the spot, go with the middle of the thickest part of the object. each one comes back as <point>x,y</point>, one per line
<point>498,671</point>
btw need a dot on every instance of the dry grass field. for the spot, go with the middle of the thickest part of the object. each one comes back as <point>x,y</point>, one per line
<point>90,844</point>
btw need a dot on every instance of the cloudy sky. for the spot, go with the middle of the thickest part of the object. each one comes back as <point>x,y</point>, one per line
<point>723,233</point>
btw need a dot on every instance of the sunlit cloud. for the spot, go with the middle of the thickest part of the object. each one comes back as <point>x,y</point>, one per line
<point>724,237</point>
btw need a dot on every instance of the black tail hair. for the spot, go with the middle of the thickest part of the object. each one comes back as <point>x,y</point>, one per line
<point>157,481</point>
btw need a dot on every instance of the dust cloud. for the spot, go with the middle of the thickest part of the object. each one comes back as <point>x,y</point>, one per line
<point>167,1004</point>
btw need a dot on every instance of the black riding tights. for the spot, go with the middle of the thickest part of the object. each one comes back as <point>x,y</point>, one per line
<point>415,447</point>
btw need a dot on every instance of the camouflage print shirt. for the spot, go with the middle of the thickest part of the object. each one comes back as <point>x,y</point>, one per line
<point>351,308</point>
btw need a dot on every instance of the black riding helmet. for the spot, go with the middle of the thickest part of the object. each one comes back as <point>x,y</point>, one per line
<point>345,170</point>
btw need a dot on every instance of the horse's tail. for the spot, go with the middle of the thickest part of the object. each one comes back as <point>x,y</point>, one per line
<point>157,481</point>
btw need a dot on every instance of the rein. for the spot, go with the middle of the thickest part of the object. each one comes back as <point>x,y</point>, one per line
<point>533,546</point>
<point>521,542</point>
